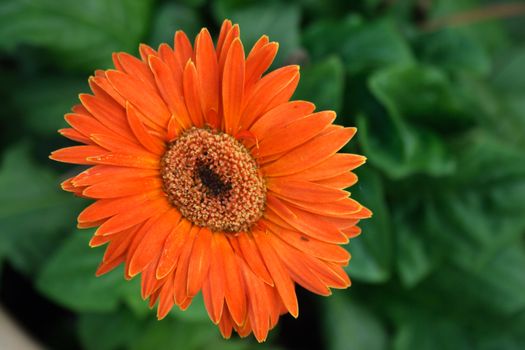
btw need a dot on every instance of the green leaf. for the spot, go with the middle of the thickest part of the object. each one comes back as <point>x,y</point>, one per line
<point>322,84</point>
<point>349,325</point>
<point>496,286</point>
<point>33,210</point>
<point>414,261</point>
<point>393,144</point>
<point>170,18</point>
<point>400,150</point>
<point>43,102</point>
<point>78,34</point>
<point>362,46</point>
<point>108,331</point>
<point>430,333</point>
<point>279,21</point>
<point>372,250</point>
<point>487,196</point>
<point>422,94</point>
<point>69,279</point>
<point>456,50</point>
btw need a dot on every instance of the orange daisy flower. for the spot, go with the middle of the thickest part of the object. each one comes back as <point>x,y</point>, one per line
<point>206,178</point>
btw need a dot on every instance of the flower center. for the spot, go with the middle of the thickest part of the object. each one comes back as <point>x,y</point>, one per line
<point>213,180</point>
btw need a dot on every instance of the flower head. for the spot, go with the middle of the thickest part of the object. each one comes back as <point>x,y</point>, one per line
<point>206,178</point>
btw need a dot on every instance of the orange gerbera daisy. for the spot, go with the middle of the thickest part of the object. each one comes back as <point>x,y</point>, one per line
<point>206,178</point>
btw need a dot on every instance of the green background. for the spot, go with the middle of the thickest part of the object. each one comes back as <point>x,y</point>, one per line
<point>440,111</point>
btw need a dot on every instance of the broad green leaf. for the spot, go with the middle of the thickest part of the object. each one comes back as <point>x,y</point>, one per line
<point>44,102</point>
<point>396,146</point>
<point>372,250</point>
<point>400,150</point>
<point>362,46</point>
<point>455,50</point>
<point>348,325</point>
<point>322,84</point>
<point>69,278</point>
<point>414,261</point>
<point>33,210</point>
<point>430,333</point>
<point>108,331</point>
<point>81,34</point>
<point>422,94</point>
<point>170,18</point>
<point>496,286</point>
<point>278,21</point>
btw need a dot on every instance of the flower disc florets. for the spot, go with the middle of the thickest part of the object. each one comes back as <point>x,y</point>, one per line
<point>213,180</point>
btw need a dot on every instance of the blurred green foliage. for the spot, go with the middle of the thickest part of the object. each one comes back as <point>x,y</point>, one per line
<point>441,118</point>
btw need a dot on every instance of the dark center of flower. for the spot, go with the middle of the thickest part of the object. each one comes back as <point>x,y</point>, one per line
<point>213,180</point>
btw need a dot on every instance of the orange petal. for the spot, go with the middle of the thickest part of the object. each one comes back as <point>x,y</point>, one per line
<point>145,99</point>
<point>335,165</point>
<point>108,112</point>
<point>222,51</point>
<point>199,261</point>
<point>173,248</point>
<point>74,135</point>
<point>137,68</point>
<point>151,143</point>
<point>280,116</point>
<point>165,298</point>
<point>300,273</point>
<point>181,273</point>
<point>146,51</point>
<point>226,324</point>
<point>151,245</point>
<point>101,173</point>
<point>148,283</point>
<point>295,133</point>
<point>234,289</point>
<point>346,207</point>
<point>132,217</point>
<point>77,154</point>
<point>170,88</point>
<point>105,208</point>
<point>340,181</point>
<point>214,286</point>
<point>352,232</point>
<point>305,190</point>
<point>311,153</point>
<point>126,160</point>
<point>183,50</point>
<point>258,61</point>
<point>258,303</point>
<point>106,267</point>
<point>100,85</point>
<point>87,125</point>
<point>117,143</point>
<point>192,94</point>
<point>122,187</point>
<point>207,71</point>
<point>265,92</point>
<point>252,256</point>
<point>310,224</point>
<point>309,245</point>
<point>233,86</point>
<point>119,243</point>
<point>280,276</point>
<point>225,29</point>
